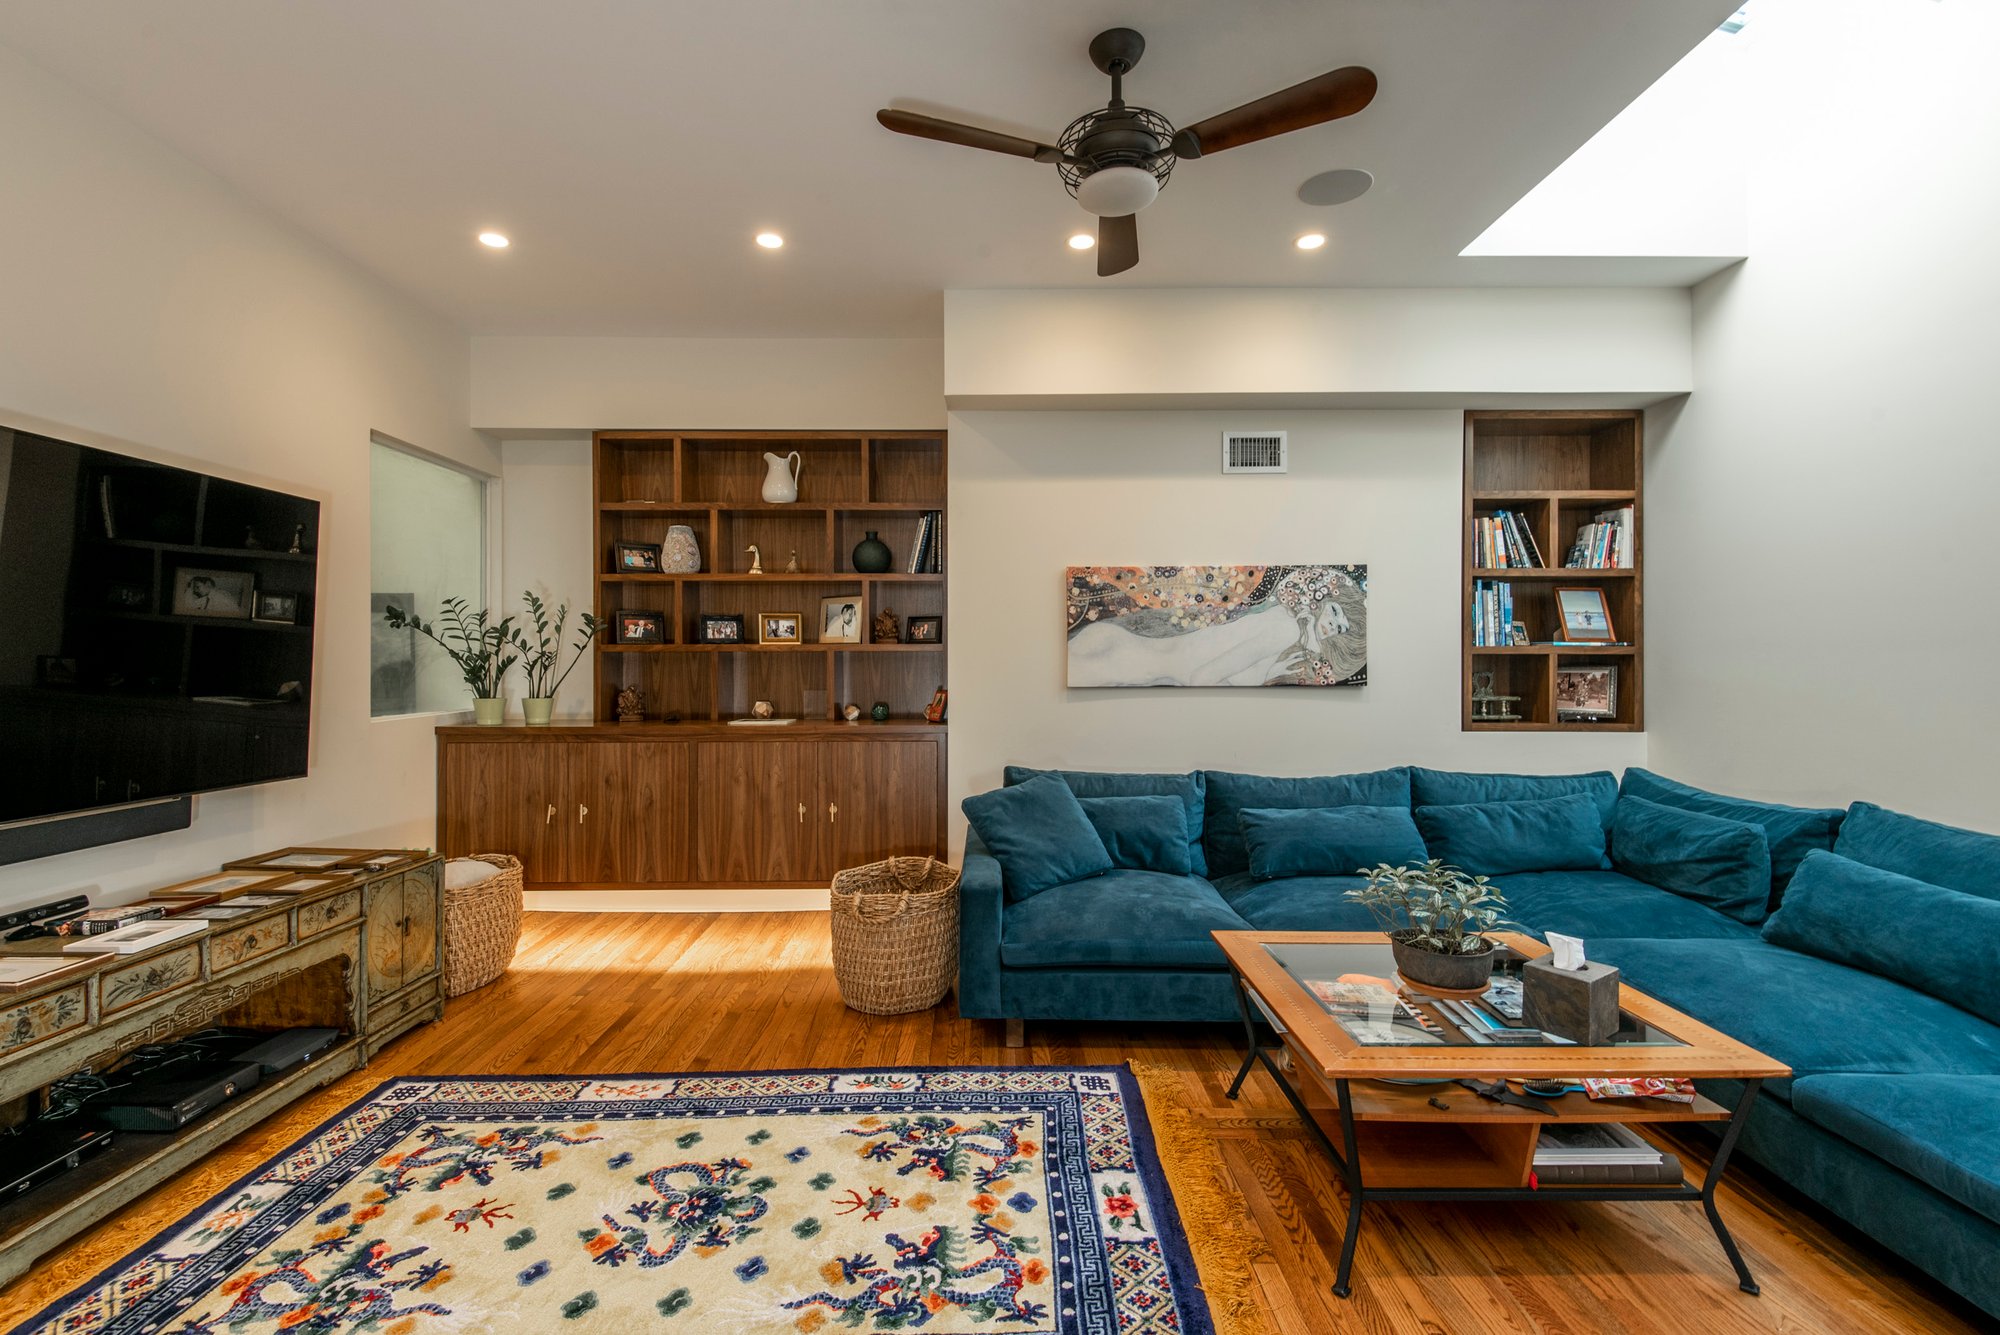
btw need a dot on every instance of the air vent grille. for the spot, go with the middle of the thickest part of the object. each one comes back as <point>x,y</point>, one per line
<point>1253,452</point>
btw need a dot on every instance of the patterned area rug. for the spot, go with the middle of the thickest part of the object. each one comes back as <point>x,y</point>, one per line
<point>993,1199</point>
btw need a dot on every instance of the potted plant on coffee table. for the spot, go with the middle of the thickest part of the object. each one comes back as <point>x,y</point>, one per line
<point>541,658</point>
<point>476,643</point>
<point>1436,918</point>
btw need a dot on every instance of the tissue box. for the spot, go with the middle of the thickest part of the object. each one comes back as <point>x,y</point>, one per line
<point>1578,1004</point>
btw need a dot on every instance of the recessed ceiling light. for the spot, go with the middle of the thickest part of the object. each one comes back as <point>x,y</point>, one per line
<point>770,240</point>
<point>1082,241</point>
<point>1338,186</point>
<point>494,240</point>
<point>1311,241</point>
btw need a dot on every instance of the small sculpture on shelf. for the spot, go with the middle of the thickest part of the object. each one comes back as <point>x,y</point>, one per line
<point>934,711</point>
<point>792,566</point>
<point>250,542</point>
<point>762,709</point>
<point>631,705</point>
<point>887,630</point>
<point>756,560</point>
<point>1488,707</point>
<point>852,713</point>
<point>298,546</point>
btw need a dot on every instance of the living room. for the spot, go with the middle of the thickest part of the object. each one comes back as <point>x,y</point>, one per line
<point>1744,247</point>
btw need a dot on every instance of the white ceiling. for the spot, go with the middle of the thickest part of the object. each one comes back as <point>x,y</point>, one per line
<point>632,147</point>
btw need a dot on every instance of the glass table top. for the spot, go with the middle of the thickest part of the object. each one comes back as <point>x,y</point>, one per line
<point>1356,984</point>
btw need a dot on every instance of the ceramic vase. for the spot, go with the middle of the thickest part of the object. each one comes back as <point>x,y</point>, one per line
<point>489,713</point>
<point>537,710</point>
<point>680,554</point>
<point>781,477</point>
<point>880,713</point>
<point>871,555</point>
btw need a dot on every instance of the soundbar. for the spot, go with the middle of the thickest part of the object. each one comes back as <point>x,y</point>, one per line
<point>174,1097</point>
<point>54,909</point>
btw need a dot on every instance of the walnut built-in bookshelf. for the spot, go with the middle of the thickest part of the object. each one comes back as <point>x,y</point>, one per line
<point>849,483</point>
<point>1557,469</point>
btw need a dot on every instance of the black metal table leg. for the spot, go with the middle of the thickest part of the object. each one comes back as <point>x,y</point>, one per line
<point>1716,1166</point>
<point>1249,1034</point>
<point>1351,1169</point>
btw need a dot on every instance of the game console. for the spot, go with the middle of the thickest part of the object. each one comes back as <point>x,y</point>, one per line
<point>275,1053</point>
<point>42,1150</point>
<point>172,1096</point>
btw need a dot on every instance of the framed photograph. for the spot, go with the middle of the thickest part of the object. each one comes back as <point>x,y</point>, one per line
<point>307,883</point>
<point>841,619</point>
<point>639,627</point>
<point>1584,615</point>
<point>282,608</point>
<point>52,670</point>
<point>1587,693</point>
<point>18,973</point>
<point>219,885</point>
<point>127,597</point>
<point>637,558</point>
<point>1517,634</point>
<point>717,629</point>
<point>212,593</point>
<point>780,628</point>
<point>298,859</point>
<point>924,630</point>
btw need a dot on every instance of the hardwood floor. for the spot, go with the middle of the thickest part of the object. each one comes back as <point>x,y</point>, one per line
<point>656,992</point>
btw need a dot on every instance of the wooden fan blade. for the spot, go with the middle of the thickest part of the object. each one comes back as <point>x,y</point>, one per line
<point>971,136</point>
<point>1341,92</point>
<point>1117,244</point>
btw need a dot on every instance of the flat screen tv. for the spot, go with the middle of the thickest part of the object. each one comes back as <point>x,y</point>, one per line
<point>156,630</point>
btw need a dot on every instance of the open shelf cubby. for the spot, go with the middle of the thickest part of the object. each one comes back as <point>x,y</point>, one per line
<point>1555,471</point>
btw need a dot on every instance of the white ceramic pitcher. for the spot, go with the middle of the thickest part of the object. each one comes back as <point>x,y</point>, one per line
<point>781,478</point>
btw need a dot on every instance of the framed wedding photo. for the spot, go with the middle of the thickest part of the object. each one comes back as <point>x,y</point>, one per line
<point>720,629</point>
<point>780,628</point>
<point>841,619</point>
<point>639,627</point>
<point>638,558</point>
<point>1587,694</point>
<point>1585,617</point>
<point>923,630</point>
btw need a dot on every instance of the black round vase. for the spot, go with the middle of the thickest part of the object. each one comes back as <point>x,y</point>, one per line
<point>1451,973</point>
<point>871,555</point>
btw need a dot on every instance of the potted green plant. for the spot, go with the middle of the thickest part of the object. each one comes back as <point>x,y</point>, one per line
<point>1436,917</point>
<point>541,659</point>
<point>476,643</point>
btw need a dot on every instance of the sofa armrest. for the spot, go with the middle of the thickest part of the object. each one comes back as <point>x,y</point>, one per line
<point>980,900</point>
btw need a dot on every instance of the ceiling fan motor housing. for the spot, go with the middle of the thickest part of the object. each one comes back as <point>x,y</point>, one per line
<point>1135,138</point>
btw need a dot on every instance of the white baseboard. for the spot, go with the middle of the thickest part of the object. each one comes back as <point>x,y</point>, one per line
<point>804,899</point>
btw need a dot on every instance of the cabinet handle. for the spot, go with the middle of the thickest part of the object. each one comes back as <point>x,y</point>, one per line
<point>831,812</point>
<point>550,819</point>
<point>581,812</point>
<point>802,813</point>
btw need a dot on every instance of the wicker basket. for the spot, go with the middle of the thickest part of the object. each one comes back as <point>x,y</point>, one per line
<point>482,926</point>
<point>895,934</point>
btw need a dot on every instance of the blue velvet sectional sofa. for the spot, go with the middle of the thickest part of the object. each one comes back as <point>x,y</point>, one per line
<point>1859,947</point>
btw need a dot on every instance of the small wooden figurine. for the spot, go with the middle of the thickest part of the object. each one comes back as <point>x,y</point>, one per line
<point>631,705</point>
<point>886,629</point>
<point>792,566</point>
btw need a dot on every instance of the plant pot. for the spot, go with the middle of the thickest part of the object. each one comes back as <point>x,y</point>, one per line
<point>537,710</point>
<point>1450,973</point>
<point>489,713</point>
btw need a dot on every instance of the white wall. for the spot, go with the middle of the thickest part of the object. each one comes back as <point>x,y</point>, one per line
<point>1033,492</point>
<point>545,543</point>
<point>145,306</point>
<point>1820,559</point>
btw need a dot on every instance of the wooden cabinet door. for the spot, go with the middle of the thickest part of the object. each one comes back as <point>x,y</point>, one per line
<point>757,818</point>
<point>421,937</point>
<point>632,804</point>
<point>385,937</point>
<point>881,800</point>
<point>508,797</point>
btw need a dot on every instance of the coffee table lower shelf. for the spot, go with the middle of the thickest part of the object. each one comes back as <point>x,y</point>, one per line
<point>1391,1143</point>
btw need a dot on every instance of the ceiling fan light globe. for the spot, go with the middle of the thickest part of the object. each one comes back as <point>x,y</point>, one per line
<point>1117,191</point>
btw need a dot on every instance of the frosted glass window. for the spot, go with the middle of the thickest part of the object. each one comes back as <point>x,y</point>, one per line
<point>427,543</point>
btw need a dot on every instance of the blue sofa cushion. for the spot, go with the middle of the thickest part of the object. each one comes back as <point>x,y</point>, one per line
<point>1933,939</point>
<point>1494,838</point>
<point>1962,860</point>
<point>1122,918</point>
<point>1943,1130</point>
<point>1039,834</point>
<point>1813,1015</point>
<point>1591,904</point>
<point>1450,788</point>
<point>1146,833</point>
<point>1792,832</point>
<point>1297,903</point>
<point>1191,789</point>
<point>1724,863</point>
<point>1229,794</point>
<point>1328,841</point>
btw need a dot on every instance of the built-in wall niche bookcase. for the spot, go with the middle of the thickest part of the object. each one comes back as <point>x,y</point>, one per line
<point>849,484</point>
<point>1552,474</point>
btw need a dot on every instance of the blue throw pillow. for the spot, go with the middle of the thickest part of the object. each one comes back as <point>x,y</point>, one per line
<point>1189,788</point>
<point>1040,835</point>
<point>1500,838</point>
<point>1792,832</point>
<point>1923,936</point>
<point>1143,833</point>
<point>1449,788</point>
<point>1962,860</point>
<point>1725,864</point>
<point>1328,841</point>
<point>1229,795</point>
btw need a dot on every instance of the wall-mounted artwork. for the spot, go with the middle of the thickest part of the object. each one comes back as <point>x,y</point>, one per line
<point>1218,625</point>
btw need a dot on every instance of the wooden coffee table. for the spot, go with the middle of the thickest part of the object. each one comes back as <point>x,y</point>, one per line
<point>1443,1141</point>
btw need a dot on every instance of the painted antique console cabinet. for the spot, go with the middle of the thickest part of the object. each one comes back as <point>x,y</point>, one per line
<point>362,953</point>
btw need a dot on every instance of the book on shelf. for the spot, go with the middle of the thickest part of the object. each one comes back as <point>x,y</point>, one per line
<point>925,557</point>
<point>1605,543</point>
<point>1492,613</point>
<point>1579,1152</point>
<point>1666,1173</point>
<point>1503,541</point>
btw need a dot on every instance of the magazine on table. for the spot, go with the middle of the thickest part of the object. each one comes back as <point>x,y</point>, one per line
<point>1372,1011</point>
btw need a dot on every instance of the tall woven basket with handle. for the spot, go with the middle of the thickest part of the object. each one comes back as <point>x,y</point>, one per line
<point>895,934</point>
<point>482,926</point>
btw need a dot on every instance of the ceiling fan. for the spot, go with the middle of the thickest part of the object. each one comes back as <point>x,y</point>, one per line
<point>1117,159</point>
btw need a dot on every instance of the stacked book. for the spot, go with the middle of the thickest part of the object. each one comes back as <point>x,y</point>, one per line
<point>1605,544</point>
<point>927,553</point>
<point>1600,1152</point>
<point>1492,613</point>
<point>1504,541</point>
